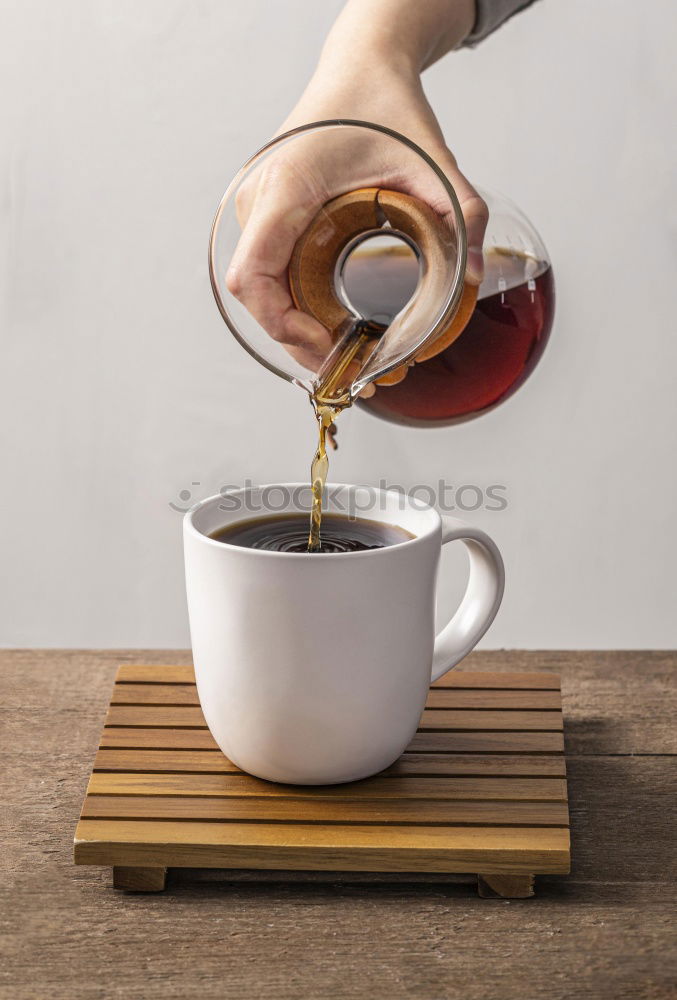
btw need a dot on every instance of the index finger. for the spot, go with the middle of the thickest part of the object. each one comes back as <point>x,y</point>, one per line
<point>281,208</point>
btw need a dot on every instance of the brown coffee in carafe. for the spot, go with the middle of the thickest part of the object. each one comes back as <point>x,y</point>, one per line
<point>498,349</point>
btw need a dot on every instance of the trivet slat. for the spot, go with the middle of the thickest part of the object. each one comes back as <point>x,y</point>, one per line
<point>434,742</point>
<point>143,673</point>
<point>186,716</point>
<point>441,718</point>
<point>326,810</point>
<point>126,693</point>
<point>428,764</point>
<point>158,739</point>
<point>165,716</point>
<point>496,742</point>
<point>481,789</point>
<point>184,674</point>
<point>157,694</point>
<point>406,787</point>
<point>483,699</point>
<point>486,681</point>
<point>342,848</point>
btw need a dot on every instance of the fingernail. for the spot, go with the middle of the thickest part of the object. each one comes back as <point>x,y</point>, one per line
<point>475,265</point>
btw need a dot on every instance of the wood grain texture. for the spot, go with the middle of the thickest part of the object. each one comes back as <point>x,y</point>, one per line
<point>164,673</point>
<point>158,672</point>
<point>505,886</point>
<point>189,717</point>
<point>522,680</point>
<point>415,812</point>
<point>355,847</point>
<point>155,694</point>
<point>605,932</point>
<point>453,697</point>
<point>491,721</point>
<point>139,879</point>
<point>420,764</point>
<point>487,742</point>
<point>160,738</point>
<point>125,693</point>
<point>400,787</point>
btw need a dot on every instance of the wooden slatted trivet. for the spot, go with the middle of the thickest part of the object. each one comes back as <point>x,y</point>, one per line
<point>481,790</point>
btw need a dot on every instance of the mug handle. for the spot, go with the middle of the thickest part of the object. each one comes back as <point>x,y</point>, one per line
<point>481,600</point>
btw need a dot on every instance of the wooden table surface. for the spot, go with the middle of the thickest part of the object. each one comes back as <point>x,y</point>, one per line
<point>607,930</point>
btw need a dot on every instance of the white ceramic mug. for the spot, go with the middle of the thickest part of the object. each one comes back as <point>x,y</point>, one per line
<point>314,669</point>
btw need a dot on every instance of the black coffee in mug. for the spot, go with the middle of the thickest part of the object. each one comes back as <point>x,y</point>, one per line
<point>289,533</point>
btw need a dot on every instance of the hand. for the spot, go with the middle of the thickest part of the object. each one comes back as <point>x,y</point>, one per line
<point>278,202</point>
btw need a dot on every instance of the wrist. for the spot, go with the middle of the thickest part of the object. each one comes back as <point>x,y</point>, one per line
<point>374,53</point>
<point>367,75</point>
<point>407,37</point>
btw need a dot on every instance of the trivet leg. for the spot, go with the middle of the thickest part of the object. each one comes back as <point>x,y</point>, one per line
<point>139,879</point>
<point>505,886</point>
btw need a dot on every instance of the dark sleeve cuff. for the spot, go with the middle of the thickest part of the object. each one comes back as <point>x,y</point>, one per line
<point>490,14</point>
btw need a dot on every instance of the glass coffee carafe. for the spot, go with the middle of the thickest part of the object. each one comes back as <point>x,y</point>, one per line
<point>367,251</point>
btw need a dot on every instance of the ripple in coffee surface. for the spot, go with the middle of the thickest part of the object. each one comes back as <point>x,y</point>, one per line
<point>289,533</point>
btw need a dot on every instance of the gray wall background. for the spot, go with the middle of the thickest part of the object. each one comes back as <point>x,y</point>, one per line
<point>121,123</point>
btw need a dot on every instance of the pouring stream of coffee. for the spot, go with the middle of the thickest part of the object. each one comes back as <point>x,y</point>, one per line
<point>331,396</point>
<point>378,300</point>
